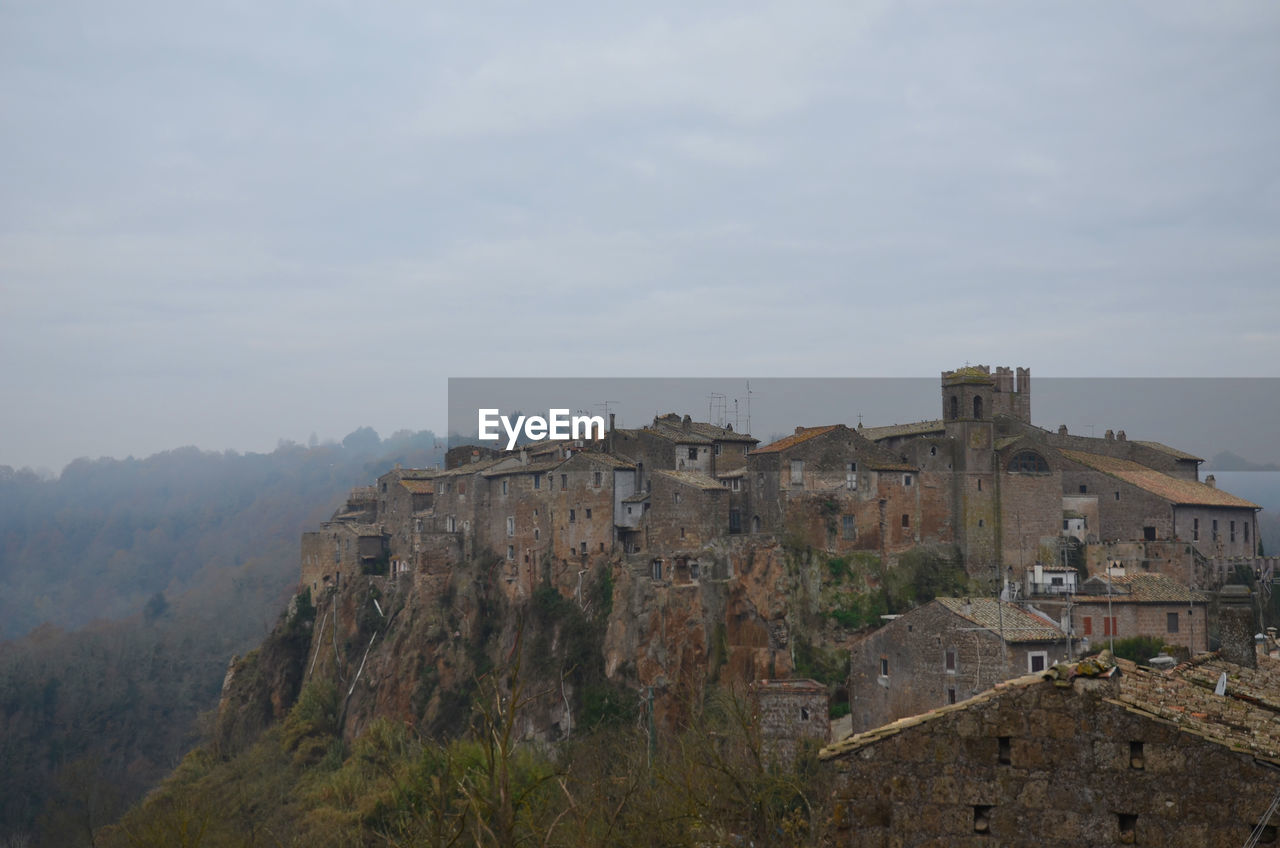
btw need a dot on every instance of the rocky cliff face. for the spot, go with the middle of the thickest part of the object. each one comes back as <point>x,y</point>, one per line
<point>592,638</point>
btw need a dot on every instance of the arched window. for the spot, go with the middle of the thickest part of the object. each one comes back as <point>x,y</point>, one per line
<point>977,407</point>
<point>955,407</point>
<point>1028,462</point>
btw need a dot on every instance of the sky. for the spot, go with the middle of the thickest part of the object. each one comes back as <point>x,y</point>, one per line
<point>230,224</point>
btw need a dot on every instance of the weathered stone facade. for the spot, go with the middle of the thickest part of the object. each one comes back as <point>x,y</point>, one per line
<point>944,652</point>
<point>1135,758</point>
<point>788,711</point>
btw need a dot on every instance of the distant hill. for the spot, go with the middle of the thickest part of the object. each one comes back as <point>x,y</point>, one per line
<point>141,577</point>
<point>1228,461</point>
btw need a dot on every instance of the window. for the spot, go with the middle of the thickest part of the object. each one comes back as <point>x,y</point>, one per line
<point>1037,661</point>
<point>716,449</point>
<point>564,481</point>
<point>536,533</point>
<point>1084,490</point>
<point>573,515</point>
<point>511,552</point>
<point>511,525</point>
<point>735,484</point>
<point>695,570</point>
<point>588,513</point>
<point>1088,625</point>
<point>884,666</point>
<point>1028,462</point>
<point>451,524</point>
<point>951,694</point>
<point>1109,627</point>
<point>1065,524</point>
<point>462,487</point>
<point>851,477</point>
<point>955,408</point>
<point>584,548</point>
<point>755,524</point>
<point>804,713</point>
<point>537,481</point>
<point>982,818</point>
<point>1136,759</point>
<point>735,521</point>
<point>797,473</point>
<point>1128,823</point>
<point>982,522</point>
<point>656,569</point>
<point>504,487</point>
<point>848,529</point>
<point>933,450</point>
<point>1195,529</point>
<point>906,479</point>
<point>676,497</point>
<point>681,532</point>
<point>693,453</point>
<point>906,520</point>
<point>1003,750</point>
<point>1232,532</point>
<point>977,407</point>
<point>596,478</point>
<point>1215,529</point>
<point>979,484</point>
<point>951,661</point>
<point>1149,534</point>
<point>1246,532</point>
<point>1171,622</point>
<point>1117,495</point>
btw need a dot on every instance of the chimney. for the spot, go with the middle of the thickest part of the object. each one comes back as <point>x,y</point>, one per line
<point>1111,435</point>
<point>687,423</point>
<point>612,416</point>
<point>475,456</point>
<point>1211,481</point>
<point>1062,429</point>
<point>1120,437</point>
<point>1236,625</point>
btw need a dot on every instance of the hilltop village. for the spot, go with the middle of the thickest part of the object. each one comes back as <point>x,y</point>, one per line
<point>991,708</point>
<point>674,498</point>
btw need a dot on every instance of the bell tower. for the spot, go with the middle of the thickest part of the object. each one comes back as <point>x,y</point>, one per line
<point>968,409</point>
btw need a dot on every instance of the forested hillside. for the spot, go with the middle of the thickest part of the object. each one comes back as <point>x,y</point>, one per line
<point>141,578</point>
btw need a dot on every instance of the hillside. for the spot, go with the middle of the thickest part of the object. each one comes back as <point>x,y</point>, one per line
<point>141,578</point>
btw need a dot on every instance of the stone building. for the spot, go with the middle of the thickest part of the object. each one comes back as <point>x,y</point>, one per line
<point>835,490</point>
<point>1082,755</point>
<point>788,711</point>
<point>1126,605</point>
<point>943,652</point>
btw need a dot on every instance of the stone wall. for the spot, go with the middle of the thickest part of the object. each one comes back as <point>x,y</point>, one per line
<point>1045,766</point>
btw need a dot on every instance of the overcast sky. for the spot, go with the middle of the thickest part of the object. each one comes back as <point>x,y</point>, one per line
<point>226,224</point>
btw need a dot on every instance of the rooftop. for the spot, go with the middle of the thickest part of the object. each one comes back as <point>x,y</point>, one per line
<point>1017,624</point>
<point>802,434</point>
<point>1141,588</point>
<point>1186,492</point>
<point>919,428</point>
<point>693,478</point>
<point>1173,452</point>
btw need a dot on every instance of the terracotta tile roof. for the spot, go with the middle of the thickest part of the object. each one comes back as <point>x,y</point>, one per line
<point>805,434</point>
<point>1245,719</point>
<point>1019,625</point>
<point>1140,589</point>
<point>693,478</point>
<point>1172,489</point>
<point>919,428</point>
<point>1173,452</point>
<point>797,685</point>
<point>672,421</point>
<point>419,487</point>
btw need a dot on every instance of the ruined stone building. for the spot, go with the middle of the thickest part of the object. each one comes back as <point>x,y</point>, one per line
<point>787,712</point>
<point>1081,755</point>
<point>944,652</point>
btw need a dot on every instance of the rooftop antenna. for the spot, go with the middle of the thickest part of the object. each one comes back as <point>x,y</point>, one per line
<point>605,404</point>
<point>716,403</point>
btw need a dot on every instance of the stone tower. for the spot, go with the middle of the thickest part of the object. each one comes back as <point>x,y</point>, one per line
<point>968,403</point>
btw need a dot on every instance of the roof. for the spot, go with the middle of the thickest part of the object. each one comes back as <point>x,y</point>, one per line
<point>672,421</point>
<point>419,487</point>
<point>1173,452</point>
<point>737,472</point>
<point>540,467</point>
<point>1018,625</point>
<point>1172,489</point>
<point>802,434</point>
<point>604,459</point>
<point>693,478</point>
<point>801,685</point>
<point>1141,589</point>
<point>919,428</point>
<point>1246,719</point>
<point>638,497</point>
